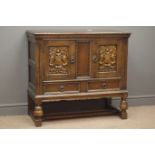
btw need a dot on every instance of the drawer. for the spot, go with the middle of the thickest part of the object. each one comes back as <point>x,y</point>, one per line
<point>103,85</point>
<point>69,87</point>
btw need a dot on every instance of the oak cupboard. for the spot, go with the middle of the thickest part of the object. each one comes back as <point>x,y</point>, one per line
<point>69,66</point>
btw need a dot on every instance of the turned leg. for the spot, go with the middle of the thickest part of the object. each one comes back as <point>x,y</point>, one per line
<point>38,113</point>
<point>123,107</point>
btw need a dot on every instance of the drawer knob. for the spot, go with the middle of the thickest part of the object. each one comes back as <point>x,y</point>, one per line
<point>104,85</point>
<point>62,88</point>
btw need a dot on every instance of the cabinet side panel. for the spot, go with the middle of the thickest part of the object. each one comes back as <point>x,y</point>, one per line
<point>83,55</point>
<point>31,49</point>
<point>124,63</point>
<point>32,65</point>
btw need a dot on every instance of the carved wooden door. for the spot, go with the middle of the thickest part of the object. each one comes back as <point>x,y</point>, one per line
<point>106,56</point>
<point>59,60</point>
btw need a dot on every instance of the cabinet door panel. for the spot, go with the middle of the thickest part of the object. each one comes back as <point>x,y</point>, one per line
<point>59,60</point>
<point>106,58</point>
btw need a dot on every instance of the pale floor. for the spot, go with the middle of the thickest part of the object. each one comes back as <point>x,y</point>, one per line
<point>140,117</point>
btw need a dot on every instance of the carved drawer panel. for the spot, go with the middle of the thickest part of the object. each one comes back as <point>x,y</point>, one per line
<point>69,87</point>
<point>103,85</point>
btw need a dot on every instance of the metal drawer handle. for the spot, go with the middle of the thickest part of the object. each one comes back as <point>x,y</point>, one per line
<point>62,88</point>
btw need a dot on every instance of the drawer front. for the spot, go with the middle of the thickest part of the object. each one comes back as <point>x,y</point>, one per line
<point>71,87</point>
<point>103,85</point>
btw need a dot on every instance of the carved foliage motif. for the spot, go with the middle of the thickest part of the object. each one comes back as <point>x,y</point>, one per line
<point>58,60</point>
<point>107,58</point>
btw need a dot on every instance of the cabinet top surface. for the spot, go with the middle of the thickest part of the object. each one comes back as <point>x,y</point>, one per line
<point>88,31</point>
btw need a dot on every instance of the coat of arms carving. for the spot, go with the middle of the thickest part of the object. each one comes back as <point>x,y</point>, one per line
<point>58,60</point>
<point>107,58</point>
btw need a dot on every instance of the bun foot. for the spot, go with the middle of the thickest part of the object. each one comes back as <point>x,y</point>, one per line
<point>38,123</point>
<point>123,115</point>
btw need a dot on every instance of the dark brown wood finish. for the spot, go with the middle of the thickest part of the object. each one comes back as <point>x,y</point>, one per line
<point>83,56</point>
<point>67,66</point>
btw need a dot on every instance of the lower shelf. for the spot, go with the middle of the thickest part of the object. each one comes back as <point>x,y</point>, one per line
<point>90,113</point>
<point>75,109</point>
